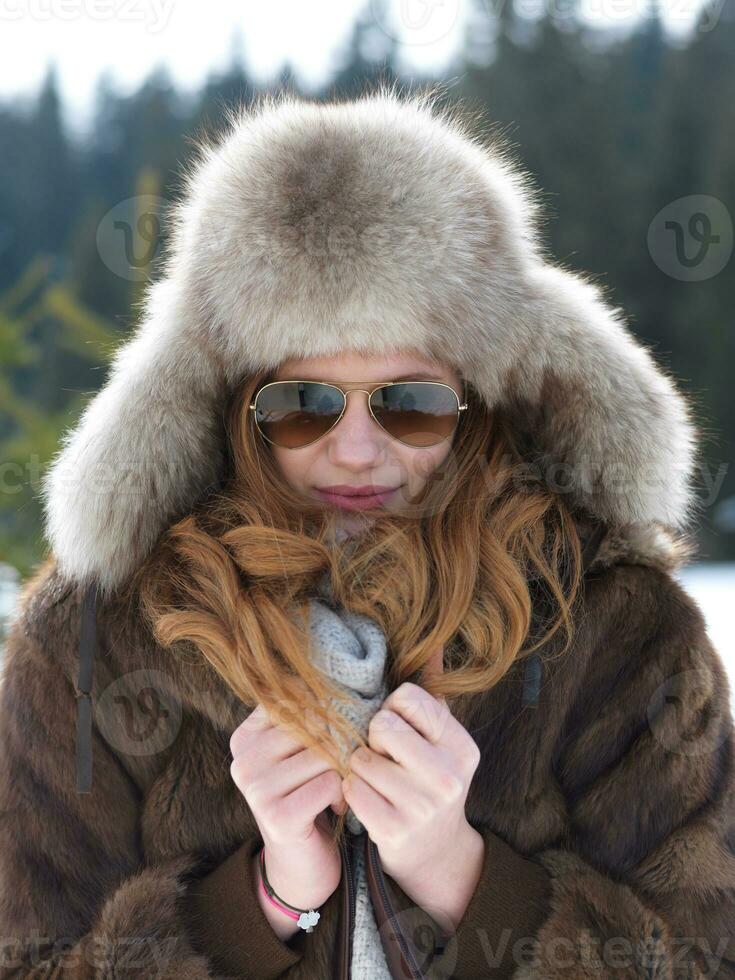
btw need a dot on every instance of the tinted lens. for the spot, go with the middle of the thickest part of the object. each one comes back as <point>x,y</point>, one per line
<point>292,414</point>
<point>419,413</point>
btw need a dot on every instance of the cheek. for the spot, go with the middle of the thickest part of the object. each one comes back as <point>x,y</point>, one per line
<point>296,465</point>
<point>420,464</point>
<point>441,452</point>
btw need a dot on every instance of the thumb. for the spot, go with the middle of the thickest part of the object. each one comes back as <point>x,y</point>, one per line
<point>435,666</point>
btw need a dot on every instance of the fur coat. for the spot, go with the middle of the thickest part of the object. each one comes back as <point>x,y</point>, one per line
<point>606,785</point>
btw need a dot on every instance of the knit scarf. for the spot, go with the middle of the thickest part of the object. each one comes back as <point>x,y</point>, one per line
<point>351,649</point>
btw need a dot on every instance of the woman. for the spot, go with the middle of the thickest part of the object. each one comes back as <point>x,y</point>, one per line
<point>356,295</point>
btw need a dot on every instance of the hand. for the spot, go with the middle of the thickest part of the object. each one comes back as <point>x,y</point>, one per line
<point>287,787</point>
<point>409,790</point>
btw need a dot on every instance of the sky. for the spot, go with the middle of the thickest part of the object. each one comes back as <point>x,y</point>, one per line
<point>129,38</point>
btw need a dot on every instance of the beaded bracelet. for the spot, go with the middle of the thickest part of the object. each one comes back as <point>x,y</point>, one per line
<point>306,919</point>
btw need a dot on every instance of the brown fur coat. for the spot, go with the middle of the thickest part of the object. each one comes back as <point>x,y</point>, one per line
<point>607,809</point>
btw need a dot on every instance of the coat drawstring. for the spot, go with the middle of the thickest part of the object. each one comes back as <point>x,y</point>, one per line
<point>87,645</point>
<point>533,672</point>
<point>532,680</point>
<point>87,651</point>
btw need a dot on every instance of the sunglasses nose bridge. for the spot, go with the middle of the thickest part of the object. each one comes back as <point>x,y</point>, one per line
<point>368,392</point>
<point>347,391</point>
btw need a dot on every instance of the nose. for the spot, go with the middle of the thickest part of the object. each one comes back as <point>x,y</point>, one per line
<point>357,440</point>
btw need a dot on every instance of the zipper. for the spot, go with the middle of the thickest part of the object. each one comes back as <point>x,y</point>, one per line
<point>374,862</point>
<point>348,908</point>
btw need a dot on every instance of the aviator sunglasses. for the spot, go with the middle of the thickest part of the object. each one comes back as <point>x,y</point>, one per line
<point>293,414</point>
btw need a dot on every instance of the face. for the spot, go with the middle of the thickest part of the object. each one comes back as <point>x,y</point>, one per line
<point>357,452</point>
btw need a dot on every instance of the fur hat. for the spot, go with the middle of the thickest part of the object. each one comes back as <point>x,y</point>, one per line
<point>375,224</point>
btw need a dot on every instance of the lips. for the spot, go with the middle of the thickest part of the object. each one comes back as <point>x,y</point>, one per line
<point>352,500</point>
<point>345,490</point>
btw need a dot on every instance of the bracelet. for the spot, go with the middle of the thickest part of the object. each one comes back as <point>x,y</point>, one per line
<point>306,919</point>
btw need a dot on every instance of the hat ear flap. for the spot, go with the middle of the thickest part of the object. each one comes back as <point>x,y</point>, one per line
<point>143,450</point>
<point>609,426</point>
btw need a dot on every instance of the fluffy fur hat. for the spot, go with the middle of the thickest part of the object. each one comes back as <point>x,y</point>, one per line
<point>380,223</point>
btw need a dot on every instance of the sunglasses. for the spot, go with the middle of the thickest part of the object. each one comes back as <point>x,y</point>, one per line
<point>294,414</point>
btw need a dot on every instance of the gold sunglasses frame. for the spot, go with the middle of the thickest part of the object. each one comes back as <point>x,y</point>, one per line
<point>461,406</point>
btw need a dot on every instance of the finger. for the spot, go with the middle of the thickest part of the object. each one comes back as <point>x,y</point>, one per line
<point>256,721</point>
<point>430,716</point>
<point>291,773</point>
<point>380,772</point>
<point>392,736</point>
<point>370,808</point>
<point>304,804</point>
<point>435,666</point>
<point>275,741</point>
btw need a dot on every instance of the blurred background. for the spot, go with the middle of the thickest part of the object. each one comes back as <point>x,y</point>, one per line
<point>621,109</point>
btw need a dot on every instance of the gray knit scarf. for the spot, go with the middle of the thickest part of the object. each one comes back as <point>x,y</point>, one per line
<point>351,649</point>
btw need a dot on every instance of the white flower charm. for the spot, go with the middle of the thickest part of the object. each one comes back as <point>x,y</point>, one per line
<point>307,920</point>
